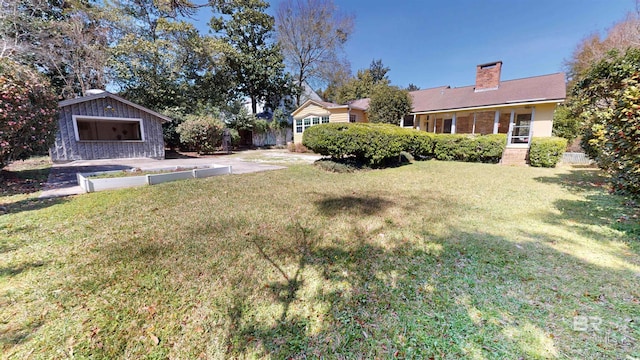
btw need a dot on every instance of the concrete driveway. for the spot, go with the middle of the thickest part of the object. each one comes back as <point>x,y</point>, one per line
<point>62,178</point>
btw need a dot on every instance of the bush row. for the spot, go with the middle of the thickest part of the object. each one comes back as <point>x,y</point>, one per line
<point>547,151</point>
<point>375,144</point>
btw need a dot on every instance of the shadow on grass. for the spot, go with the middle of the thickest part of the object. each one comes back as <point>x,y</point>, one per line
<point>352,205</point>
<point>462,294</point>
<point>599,207</point>
<point>22,181</point>
<point>32,204</point>
<point>16,270</point>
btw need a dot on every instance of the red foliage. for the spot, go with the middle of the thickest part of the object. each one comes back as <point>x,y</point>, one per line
<point>28,113</point>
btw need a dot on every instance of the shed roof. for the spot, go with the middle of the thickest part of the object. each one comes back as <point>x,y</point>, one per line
<point>106,94</point>
<point>544,88</point>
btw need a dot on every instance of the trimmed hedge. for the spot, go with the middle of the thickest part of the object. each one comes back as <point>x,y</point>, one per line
<point>546,151</point>
<point>470,148</point>
<point>376,144</point>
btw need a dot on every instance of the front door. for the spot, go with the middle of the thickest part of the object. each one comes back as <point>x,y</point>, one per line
<point>521,130</point>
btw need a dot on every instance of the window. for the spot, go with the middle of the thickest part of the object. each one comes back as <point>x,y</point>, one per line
<point>92,128</point>
<point>408,121</point>
<point>299,126</point>
<point>303,124</point>
<point>352,118</point>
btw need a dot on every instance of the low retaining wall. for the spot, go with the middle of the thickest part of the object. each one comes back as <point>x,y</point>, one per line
<point>91,185</point>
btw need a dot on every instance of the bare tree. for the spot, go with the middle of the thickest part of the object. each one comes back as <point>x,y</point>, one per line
<point>312,34</point>
<point>593,48</point>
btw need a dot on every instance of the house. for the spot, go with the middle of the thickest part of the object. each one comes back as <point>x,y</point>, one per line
<point>277,137</point>
<point>521,108</point>
<point>102,125</point>
<point>314,112</point>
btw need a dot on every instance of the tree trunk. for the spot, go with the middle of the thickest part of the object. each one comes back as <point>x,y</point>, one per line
<point>254,105</point>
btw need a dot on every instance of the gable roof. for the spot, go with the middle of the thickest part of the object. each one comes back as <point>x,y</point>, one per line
<point>544,88</point>
<point>322,104</point>
<point>106,94</point>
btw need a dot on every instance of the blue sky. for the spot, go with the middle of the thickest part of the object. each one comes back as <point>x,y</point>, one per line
<point>435,43</point>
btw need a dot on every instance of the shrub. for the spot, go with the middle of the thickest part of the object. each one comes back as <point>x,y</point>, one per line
<point>28,113</point>
<point>470,148</point>
<point>346,165</point>
<point>297,147</point>
<point>201,133</point>
<point>378,144</point>
<point>368,143</point>
<point>547,151</point>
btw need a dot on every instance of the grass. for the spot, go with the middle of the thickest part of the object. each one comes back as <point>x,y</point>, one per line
<point>436,260</point>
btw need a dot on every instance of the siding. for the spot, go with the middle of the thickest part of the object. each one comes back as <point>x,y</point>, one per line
<point>312,109</point>
<point>543,120</point>
<point>339,115</point>
<point>66,148</point>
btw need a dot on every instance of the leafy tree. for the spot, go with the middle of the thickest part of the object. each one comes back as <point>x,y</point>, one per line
<point>413,87</point>
<point>378,71</point>
<point>607,97</point>
<point>312,34</point>
<point>388,104</point>
<point>28,113</point>
<point>566,123</point>
<point>255,62</point>
<point>359,87</point>
<point>161,61</point>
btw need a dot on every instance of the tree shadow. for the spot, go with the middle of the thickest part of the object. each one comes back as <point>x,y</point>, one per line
<point>22,181</point>
<point>598,208</point>
<point>65,176</point>
<point>352,205</point>
<point>32,204</point>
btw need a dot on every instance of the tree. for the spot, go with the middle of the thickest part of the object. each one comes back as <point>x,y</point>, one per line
<point>66,40</point>
<point>255,62</point>
<point>161,61</point>
<point>413,87</point>
<point>388,104</point>
<point>312,34</point>
<point>28,112</point>
<point>378,71</point>
<point>607,96</point>
<point>363,84</point>
<point>566,123</point>
<point>592,49</point>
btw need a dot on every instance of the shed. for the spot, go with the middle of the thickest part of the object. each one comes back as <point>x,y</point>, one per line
<point>102,125</point>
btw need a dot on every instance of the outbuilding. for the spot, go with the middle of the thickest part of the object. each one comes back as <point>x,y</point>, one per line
<point>102,125</point>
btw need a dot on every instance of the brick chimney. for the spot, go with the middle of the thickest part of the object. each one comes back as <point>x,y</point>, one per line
<point>488,76</point>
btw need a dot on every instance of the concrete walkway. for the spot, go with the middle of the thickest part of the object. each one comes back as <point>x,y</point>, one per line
<point>62,178</point>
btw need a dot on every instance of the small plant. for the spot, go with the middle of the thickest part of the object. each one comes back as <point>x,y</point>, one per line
<point>297,148</point>
<point>345,165</point>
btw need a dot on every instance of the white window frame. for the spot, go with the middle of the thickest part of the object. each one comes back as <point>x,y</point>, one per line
<point>321,120</point>
<point>104,118</point>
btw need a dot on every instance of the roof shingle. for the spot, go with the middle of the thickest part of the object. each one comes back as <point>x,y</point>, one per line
<point>533,89</point>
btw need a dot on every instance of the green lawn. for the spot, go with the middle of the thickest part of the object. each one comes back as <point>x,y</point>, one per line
<point>430,260</point>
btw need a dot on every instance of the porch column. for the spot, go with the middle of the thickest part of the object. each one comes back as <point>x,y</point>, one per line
<point>496,122</point>
<point>473,127</point>
<point>453,124</point>
<point>533,115</point>
<point>510,127</point>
